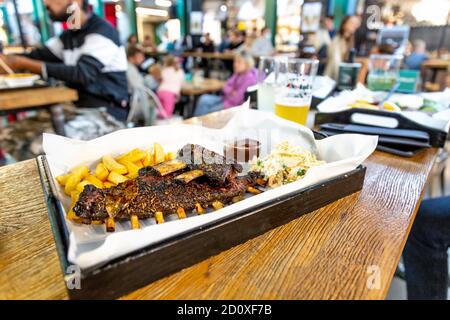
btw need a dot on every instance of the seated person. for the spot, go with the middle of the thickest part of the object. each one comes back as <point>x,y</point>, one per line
<point>87,56</point>
<point>148,43</point>
<point>262,46</point>
<point>172,78</point>
<point>207,45</point>
<point>244,76</point>
<point>153,78</point>
<point>418,56</point>
<point>425,254</point>
<point>136,57</point>
<point>142,109</point>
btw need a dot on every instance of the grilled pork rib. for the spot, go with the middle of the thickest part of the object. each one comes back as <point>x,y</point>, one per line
<point>215,167</point>
<point>156,189</point>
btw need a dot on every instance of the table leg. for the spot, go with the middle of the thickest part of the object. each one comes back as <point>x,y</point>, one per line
<point>57,117</point>
<point>189,109</point>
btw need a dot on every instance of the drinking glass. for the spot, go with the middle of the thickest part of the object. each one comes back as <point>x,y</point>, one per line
<point>295,83</point>
<point>383,71</point>
<point>266,84</point>
<point>267,81</point>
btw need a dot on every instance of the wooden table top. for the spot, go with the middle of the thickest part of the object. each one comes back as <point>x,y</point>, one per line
<point>210,55</point>
<point>36,97</point>
<point>436,64</point>
<point>326,254</point>
<point>206,86</point>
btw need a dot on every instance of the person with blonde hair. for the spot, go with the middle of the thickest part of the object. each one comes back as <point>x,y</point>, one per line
<point>172,78</point>
<point>244,76</point>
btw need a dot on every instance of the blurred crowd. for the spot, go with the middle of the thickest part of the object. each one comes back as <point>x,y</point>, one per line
<point>140,82</point>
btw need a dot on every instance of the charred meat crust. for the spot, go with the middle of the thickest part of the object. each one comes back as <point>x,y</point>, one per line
<point>217,168</point>
<point>151,192</point>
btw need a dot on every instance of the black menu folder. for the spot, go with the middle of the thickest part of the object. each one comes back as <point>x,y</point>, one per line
<point>403,142</point>
<point>382,124</point>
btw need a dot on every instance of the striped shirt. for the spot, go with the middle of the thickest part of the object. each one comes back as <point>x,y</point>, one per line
<point>90,60</point>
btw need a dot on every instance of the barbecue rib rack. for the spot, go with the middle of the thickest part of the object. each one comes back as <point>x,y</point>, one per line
<point>196,179</point>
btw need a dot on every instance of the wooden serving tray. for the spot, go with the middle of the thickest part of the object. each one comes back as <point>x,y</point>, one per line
<point>139,268</point>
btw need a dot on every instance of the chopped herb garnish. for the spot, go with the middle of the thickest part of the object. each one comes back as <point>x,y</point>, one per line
<point>301,172</point>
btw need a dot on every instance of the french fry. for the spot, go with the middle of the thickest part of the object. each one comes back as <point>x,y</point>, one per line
<point>108,184</point>
<point>159,217</point>
<point>95,181</point>
<point>199,208</point>
<point>134,222</point>
<point>82,171</point>
<point>139,164</point>
<point>74,196</point>
<point>110,225</point>
<point>72,183</point>
<point>80,186</point>
<point>159,155</point>
<point>63,179</point>
<point>116,178</point>
<point>181,213</point>
<point>113,165</point>
<point>217,205</point>
<point>253,190</point>
<point>148,159</point>
<point>133,155</point>
<point>132,169</point>
<point>170,156</point>
<point>72,216</point>
<point>101,172</point>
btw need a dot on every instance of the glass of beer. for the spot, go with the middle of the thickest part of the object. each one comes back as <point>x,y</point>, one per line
<point>295,83</point>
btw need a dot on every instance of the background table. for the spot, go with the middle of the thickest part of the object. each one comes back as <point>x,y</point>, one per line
<point>17,100</point>
<point>326,254</point>
<point>210,55</point>
<point>205,86</point>
<point>194,90</point>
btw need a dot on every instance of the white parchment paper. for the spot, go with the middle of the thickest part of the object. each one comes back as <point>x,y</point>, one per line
<point>92,246</point>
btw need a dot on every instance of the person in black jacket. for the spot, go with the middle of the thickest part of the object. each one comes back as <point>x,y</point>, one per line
<point>87,57</point>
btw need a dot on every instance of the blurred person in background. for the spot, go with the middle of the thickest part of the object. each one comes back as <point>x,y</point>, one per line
<point>339,48</point>
<point>138,83</point>
<point>419,54</point>
<point>236,40</point>
<point>132,40</point>
<point>172,78</point>
<point>148,43</point>
<point>87,57</point>
<point>328,24</point>
<point>322,40</point>
<point>426,252</point>
<point>207,44</point>
<point>135,57</point>
<point>244,76</point>
<point>247,45</point>
<point>262,46</point>
<point>136,78</point>
<point>153,79</point>
<point>224,45</point>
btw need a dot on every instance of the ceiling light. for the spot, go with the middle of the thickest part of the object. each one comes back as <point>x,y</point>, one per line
<point>163,3</point>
